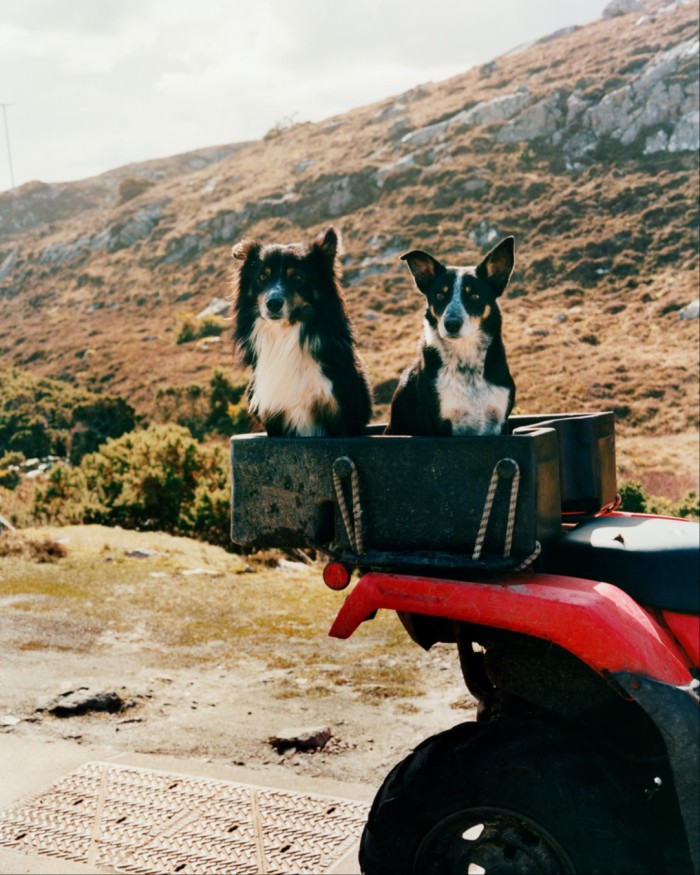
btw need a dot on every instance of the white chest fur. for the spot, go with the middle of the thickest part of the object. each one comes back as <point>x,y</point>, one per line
<point>288,379</point>
<point>472,405</point>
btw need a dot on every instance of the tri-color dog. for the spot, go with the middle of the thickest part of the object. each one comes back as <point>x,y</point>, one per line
<point>291,326</point>
<point>460,383</point>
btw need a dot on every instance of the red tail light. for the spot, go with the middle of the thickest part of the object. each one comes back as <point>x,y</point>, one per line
<point>336,575</point>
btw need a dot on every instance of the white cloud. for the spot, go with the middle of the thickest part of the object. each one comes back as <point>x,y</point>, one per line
<point>99,83</point>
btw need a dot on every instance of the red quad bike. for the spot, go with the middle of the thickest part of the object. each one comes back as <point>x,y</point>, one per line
<point>576,625</point>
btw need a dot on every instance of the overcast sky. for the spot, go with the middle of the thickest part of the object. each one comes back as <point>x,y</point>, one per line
<point>95,84</point>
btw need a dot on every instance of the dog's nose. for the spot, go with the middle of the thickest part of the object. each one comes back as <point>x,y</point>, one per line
<point>453,326</point>
<point>274,304</point>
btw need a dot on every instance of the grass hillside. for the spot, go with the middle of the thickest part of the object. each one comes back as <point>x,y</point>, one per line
<point>583,146</point>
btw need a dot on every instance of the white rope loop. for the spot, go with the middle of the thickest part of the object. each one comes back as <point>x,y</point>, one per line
<point>342,468</point>
<point>503,469</point>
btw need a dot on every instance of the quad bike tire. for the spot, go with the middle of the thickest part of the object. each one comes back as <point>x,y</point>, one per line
<point>507,797</point>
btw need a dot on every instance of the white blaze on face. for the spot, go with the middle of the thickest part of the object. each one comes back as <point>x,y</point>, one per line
<point>288,378</point>
<point>455,310</point>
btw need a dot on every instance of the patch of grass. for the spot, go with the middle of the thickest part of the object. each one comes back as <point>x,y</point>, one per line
<point>218,616</point>
<point>44,645</point>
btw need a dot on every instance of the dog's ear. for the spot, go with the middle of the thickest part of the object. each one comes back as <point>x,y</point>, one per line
<point>498,264</point>
<point>244,248</point>
<point>423,267</point>
<point>329,243</point>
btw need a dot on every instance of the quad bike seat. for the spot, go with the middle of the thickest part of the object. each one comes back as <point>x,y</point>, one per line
<point>654,560</point>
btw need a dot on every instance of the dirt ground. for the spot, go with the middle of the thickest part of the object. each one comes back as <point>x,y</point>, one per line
<point>205,697</point>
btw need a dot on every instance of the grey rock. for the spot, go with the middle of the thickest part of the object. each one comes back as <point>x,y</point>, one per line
<point>396,167</point>
<point>7,264</point>
<point>652,99</point>
<point>656,142</point>
<point>301,166</point>
<point>60,253</point>
<point>301,738</point>
<point>686,134</point>
<point>622,7</point>
<point>5,524</point>
<point>483,235</point>
<point>542,119</point>
<point>74,703</point>
<point>496,110</point>
<point>690,311</point>
<point>217,307</point>
<point>388,112</point>
<point>487,112</point>
<point>428,134</point>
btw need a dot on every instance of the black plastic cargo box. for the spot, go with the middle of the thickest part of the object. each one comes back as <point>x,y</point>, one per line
<point>417,501</point>
<point>587,469</point>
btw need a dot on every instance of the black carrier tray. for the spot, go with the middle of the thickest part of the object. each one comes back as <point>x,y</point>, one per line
<point>416,502</point>
<point>587,470</point>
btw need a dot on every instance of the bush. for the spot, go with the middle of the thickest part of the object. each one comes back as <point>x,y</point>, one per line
<point>41,417</point>
<point>158,479</point>
<point>635,499</point>
<point>192,328</point>
<point>9,469</point>
<point>689,505</point>
<point>132,187</point>
<point>218,410</point>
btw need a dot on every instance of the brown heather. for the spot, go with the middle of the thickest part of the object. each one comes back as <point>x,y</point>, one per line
<point>606,243</point>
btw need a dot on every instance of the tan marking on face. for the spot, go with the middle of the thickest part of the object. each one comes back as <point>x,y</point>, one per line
<point>487,311</point>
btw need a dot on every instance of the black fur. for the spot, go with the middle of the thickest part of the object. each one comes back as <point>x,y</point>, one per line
<point>457,386</point>
<point>300,282</point>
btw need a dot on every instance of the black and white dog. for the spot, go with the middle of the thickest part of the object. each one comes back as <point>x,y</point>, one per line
<point>460,383</point>
<point>291,326</point>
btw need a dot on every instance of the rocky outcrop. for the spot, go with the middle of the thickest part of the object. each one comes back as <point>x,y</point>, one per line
<point>37,203</point>
<point>8,263</point>
<point>541,119</point>
<point>121,234</point>
<point>657,110</point>
<point>654,100</point>
<point>485,113</point>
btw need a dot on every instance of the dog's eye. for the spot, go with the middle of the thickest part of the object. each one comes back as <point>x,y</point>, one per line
<point>262,277</point>
<point>440,296</point>
<point>297,278</point>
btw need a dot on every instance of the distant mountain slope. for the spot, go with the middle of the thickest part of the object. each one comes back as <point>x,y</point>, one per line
<point>584,146</point>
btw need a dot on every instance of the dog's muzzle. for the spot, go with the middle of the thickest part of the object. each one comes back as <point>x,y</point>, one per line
<point>273,303</point>
<point>453,327</point>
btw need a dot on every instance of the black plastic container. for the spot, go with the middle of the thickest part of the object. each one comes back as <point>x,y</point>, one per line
<point>587,469</point>
<point>418,498</point>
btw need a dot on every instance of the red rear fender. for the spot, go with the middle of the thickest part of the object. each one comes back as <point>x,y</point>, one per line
<point>597,622</point>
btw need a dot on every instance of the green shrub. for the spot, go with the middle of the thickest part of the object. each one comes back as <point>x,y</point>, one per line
<point>689,505</point>
<point>188,329</point>
<point>41,417</point>
<point>634,497</point>
<point>216,410</point>
<point>132,187</point>
<point>9,469</point>
<point>157,479</point>
<point>192,328</point>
